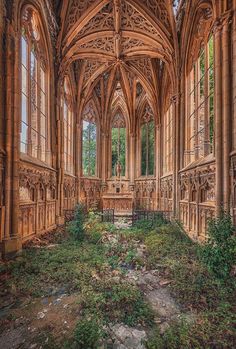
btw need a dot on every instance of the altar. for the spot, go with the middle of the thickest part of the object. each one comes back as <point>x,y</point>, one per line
<point>120,203</point>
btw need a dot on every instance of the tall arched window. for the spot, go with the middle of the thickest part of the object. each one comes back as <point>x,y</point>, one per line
<point>89,142</point>
<point>168,141</point>
<point>147,143</point>
<point>118,134</point>
<point>34,136</point>
<point>200,121</point>
<point>68,121</point>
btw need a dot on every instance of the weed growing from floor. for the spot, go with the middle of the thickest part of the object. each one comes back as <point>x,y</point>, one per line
<point>92,265</point>
<point>197,290</point>
<point>219,252</point>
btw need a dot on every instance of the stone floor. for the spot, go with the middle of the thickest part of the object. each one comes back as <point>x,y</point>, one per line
<point>60,309</point>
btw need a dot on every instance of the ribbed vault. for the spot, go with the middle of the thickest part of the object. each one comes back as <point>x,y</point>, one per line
<point>125,41</point>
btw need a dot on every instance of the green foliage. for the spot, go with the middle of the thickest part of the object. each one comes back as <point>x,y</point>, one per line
<point>76,227</point>
<point>89,148</point>
<point>154,221</point>
<point>94,228</point>
<point>209,330</point>
<point>88,333</point>
<point>219,252</point>
<point>118,154</point>
<point>148,153</point>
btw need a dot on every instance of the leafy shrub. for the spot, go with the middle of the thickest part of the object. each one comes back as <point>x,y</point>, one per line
<point>219,252</point>
<point>94,228</point>
<point>156,220</point>
<point>76,227</point>
<point>87,334</point>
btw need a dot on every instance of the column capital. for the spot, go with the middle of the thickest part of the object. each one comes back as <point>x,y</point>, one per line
<point>222,22</point>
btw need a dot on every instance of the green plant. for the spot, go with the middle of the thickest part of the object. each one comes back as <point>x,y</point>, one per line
<point>88,333</point>
<point>219,252</point>
<point>76,227</point>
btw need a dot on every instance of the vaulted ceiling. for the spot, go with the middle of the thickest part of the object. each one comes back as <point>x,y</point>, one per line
<point>118,41</point>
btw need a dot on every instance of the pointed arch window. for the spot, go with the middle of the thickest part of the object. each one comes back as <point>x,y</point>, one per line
<point>168,140</point>
<point>34,135</point>
<point>200,121</point>
<point>147,143</point>
<point>118,134</point>
<point>68,122</point>
<point>89,142</point>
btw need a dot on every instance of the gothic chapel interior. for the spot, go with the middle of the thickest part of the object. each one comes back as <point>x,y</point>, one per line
<point>118,104</point>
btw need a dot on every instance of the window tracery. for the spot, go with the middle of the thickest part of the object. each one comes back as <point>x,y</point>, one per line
<point>89,141</point>
<point>147,143</point>
<point>200,121</point>
<point>68,121</point>
<point>34,135</point>
<point>168,140</point>
<point>118,145</point>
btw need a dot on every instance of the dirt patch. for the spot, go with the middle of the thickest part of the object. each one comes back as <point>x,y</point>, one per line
<point>56,315</point>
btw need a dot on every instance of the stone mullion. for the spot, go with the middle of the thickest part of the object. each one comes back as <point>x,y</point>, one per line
<point>77,151</point>
<point>127,154</point>
<point>138,151</point>
<point>158,165</point>
<point>132,158</point>
<point>218,116</point>
<point>108,145</point>
<point>175,101</point>
<point>226,109</point>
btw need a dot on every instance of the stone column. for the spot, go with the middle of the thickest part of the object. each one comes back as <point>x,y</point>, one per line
<point>226,108</point>
<point>132,158</point>
<point>77,159</point>
<point>104,156</point>
<point>12,241</point>
<point>60,150</point>
<point>218,116</point>
<point>176,148</point>
<point>158,166</point>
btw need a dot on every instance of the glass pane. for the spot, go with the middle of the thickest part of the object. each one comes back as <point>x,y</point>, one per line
<point>118,151</point>
<point>211,79</point>
<point>33,92</point>
<point>33,65</point>
<point>43,101</point>
<point>211,51</point>
<point>43,149</point>
<point>34,140</point>
<point>34,117</point>
<point>23,136</point>
<point>151,152</point>
<point>24,102</point>
<point>24,80</point>
<point>24,49</point>
<point>123,150</point>
<point>89,148</point>
<point>143,149</point>
<point>202,64</point>
<point>43,126</point>
<point>23,148</point>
